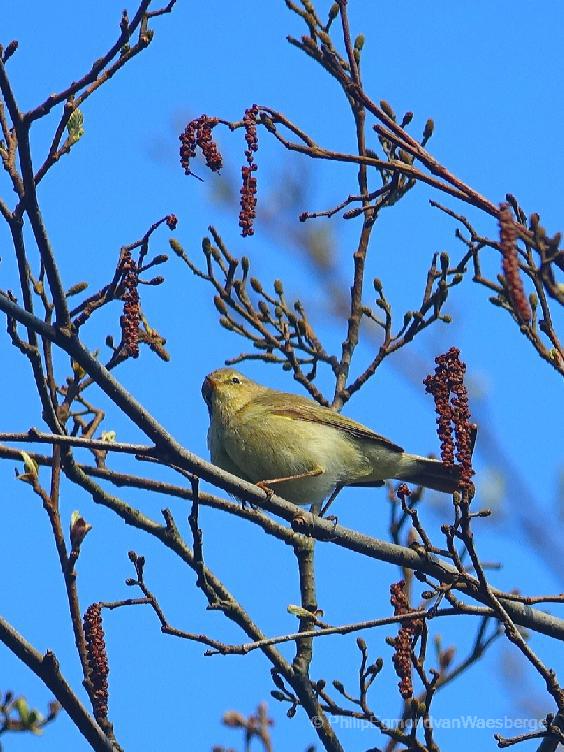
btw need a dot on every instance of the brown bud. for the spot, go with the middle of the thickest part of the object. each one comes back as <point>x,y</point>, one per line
<point>333,11</point>
<point>387,108</point>
<point>256,285</point>
<point>79,529</point>
<point>233,719</point>
<point>75,289</point>
<point>428,130</point>
<point>407,118</point>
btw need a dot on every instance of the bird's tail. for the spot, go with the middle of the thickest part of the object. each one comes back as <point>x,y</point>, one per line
<point>429,473</point>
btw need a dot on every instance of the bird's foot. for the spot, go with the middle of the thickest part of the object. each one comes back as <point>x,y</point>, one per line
<point>263,485</point>
<point>301,522</point>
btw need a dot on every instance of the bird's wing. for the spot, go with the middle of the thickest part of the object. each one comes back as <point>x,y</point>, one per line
<point>301,408</point>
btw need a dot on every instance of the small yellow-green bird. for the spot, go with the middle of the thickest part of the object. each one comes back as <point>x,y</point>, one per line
<point>301,450</point>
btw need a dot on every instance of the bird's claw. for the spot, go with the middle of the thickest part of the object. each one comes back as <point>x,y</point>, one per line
<point>300,522</point>
<point>266,488</point>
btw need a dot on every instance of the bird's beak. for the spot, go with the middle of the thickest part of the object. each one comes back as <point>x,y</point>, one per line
<point>207,390</point>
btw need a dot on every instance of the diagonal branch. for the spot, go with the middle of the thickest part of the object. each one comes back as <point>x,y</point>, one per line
<point>46,667</point>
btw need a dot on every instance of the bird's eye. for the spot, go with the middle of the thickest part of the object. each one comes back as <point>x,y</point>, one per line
<point>235,380</point>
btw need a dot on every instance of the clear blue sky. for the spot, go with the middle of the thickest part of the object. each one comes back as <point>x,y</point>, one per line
<point>490,75</point>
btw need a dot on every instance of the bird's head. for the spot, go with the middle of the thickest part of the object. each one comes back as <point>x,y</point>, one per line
<point>226,391</point>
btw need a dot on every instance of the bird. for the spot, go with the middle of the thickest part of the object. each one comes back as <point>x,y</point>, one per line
<point>303,451</point>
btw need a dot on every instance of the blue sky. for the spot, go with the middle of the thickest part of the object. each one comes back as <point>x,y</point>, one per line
<point>490,76</point>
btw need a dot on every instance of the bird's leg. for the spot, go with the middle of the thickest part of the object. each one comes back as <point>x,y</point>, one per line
<point>330,500</point>
<point>265,484</point>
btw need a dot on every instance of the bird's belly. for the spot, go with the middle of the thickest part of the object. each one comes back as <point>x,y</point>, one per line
<point>292,448</point>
